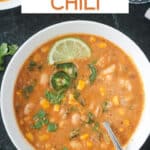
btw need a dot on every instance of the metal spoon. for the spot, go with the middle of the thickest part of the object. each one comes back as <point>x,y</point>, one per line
<point>112,136</point>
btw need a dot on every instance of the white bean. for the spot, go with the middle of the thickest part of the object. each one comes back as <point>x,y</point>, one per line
<point>28,108</point>
<point>76,145</point>
<point>44,79</point>
<point>109,70</point>
<point>75,119</point>
<point>126,84</point>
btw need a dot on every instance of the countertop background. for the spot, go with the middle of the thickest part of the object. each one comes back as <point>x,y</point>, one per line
<point>17,28</point>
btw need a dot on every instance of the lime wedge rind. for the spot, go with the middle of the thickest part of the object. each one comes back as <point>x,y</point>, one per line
<point>68,49</point>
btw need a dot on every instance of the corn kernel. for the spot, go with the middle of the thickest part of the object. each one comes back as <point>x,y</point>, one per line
<point>89,144</point>
<point>43,137</point>
<point>44,103</point>
<point>56,107</point>
<point>121,129</point>
<point>84,136</point>
<point>72,100</point>
<point>102,45</point>
<point>71,97</point>
<point>81,85</point>
<point>102,91</point>
<point>126,122</point>
<point>92,39</point>
<point>29,136</point>
<point>115,100</point>
<point>121,111</point>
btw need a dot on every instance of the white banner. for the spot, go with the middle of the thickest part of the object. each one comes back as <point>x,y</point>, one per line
<point>75,6</point>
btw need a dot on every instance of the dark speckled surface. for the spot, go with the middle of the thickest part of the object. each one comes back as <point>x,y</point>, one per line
<point>16,28</point>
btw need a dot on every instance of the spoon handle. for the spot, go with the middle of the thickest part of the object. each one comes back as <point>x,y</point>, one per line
<point>112,136</point>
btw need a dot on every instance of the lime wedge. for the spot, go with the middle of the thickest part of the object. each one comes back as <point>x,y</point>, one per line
<point>68,49</point>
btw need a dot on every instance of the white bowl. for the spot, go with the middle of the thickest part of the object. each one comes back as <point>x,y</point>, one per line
<point>8,4</point>
<point>129,47</point>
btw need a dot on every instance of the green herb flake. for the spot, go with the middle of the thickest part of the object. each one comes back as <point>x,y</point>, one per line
<point>3,49</point>
<point>93,74</point>
<point>32,65</point>
<point>46,121</point>
<point>40,119</point>
<point>94,61</point>
<point>6,50</point>
<point>54,97</point>
<point>96,126</point>
<point>90,118</point>
<point>38,124</point>
<point>52,127</point>
<point>27,90</point>
<point>12,49</point>
<point>76,94</point>
<point>105,105</point>
<point>40,115</point>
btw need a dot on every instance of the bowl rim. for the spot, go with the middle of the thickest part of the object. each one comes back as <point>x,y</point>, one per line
<point>19,52</point>
<point>9,4</point>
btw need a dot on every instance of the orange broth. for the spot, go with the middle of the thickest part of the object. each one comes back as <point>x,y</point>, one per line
<point>116,96</point>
